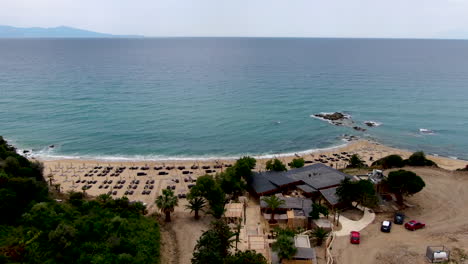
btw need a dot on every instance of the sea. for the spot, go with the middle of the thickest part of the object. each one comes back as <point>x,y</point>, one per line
<point>200,98</point>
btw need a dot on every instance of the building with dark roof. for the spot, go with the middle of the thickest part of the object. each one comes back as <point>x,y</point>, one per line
<point>310,180</point>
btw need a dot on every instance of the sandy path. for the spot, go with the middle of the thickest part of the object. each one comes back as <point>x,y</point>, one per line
<point>442,205</point>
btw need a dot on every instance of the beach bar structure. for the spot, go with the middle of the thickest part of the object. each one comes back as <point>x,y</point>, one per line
<point>294,210</point>
<point>314,181</point>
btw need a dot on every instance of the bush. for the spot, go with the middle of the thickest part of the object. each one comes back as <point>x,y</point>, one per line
<point>419,159</point>
<point>391,161</point>
<point>275,165</point>
<point>297,163</point>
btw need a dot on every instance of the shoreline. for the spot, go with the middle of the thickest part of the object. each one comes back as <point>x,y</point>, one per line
<point>180,175</point>
<point>363,147</point>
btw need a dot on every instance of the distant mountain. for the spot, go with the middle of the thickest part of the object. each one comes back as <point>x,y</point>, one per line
<point>55,32</point>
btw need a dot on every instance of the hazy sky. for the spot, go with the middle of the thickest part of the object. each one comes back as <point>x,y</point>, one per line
<point>287,18</point>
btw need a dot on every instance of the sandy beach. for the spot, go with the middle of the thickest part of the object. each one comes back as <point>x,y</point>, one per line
<point>73,174</point>
<point>179,175</point>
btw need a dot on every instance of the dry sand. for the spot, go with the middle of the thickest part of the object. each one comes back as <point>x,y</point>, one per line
<point>442,205</point>
<point>68,172</point>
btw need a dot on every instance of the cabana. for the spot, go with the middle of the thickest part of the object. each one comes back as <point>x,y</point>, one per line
<point>234,212</point>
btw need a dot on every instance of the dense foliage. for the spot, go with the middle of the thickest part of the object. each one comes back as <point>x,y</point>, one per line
<point>35,228</point>
<point>275,165</point>
<point>362,192</point>
<point>284,246</point>
<point>297,163</point>
<point>210,189</point>
<point>390,161</point>
<point>356,162</point>
<point>404,182</point>
<point>318,209</point>
<point>214,247</point>
<point>419,159</point>
<point>246,257</point>
<point>232,181</point>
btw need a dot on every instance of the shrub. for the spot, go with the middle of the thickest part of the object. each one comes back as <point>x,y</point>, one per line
<point>297,163</point>
<point>391,161</point>
<point>275,165</point>
<point>419,159</point>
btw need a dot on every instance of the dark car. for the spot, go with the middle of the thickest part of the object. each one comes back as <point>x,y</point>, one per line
<point>386,226</point>
<point>399,218</point>
<point>414,225</point>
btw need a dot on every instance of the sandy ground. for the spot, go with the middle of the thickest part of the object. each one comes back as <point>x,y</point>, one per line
<point>442,206</point>
<point>445,193</point>
<point>180,236</point>
<point>68,172</point>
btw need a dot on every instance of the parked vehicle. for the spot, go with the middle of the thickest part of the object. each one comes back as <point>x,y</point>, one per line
<point>399,218</point>
<point>386,226</point>
<point>414,225</point>
<point>355,237</point>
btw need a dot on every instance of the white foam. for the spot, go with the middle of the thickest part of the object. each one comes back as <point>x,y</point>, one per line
<point>47,156</point>
<point>426,131</point>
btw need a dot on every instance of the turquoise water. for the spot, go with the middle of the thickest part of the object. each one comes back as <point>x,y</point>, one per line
<point>207,97</point>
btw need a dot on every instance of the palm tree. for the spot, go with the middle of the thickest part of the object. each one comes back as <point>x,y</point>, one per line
<point>195,205</point>
<point>273,202</point>
<point>166,203</point>
<point>284,246</point>
<point>320,234</point>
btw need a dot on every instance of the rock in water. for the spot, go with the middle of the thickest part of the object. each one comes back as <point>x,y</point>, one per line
<point>359,128</point>
<point>333,117</point>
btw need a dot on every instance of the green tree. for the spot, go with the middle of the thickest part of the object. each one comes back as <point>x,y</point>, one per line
<point>244,167</point>
<point>356,162</point>
<point>390,161</point>
<point>166,203</point>
<point>404,182</point>
<point>246,257</point>
<point>345,191</point>
<point>275,165</point>
<point>196,204</point>
<point>297,163</point>
<point>284,246</point>
<point>362,192</point>
<point>207,187</point>
<point>419,159</point>
<point>231,183</point>
<point>319,234</point>
<point>318,209</point>
<point>365,193</point>
<point>213,245</point>
<point>273,203</point>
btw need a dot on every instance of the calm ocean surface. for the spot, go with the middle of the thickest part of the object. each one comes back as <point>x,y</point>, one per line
<point>206,97</point>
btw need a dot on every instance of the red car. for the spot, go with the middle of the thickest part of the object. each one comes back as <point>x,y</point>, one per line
<point>355,237</point>
<point>414,225</point>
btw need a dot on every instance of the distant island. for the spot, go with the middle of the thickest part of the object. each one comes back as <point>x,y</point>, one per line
<point>55,32</point>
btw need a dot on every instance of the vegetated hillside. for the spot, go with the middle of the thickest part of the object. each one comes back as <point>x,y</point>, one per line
<point>35,228</point>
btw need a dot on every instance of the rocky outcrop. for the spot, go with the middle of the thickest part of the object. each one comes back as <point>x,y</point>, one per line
<point>332,117</point>
<point>359,128</point>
